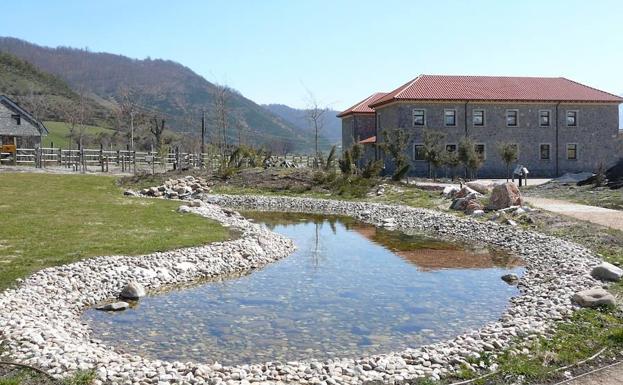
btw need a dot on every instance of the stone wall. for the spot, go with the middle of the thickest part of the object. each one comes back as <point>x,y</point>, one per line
<point>357,127</point>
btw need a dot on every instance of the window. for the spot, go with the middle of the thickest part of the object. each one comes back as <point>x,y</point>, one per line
<point>378,121</point>
<point>511,118</point>
<point>418,152</point>
<point>481,150</point>
<point>449,117</point>
<point>478,117</point>
<point>572,118</point>
<point>17,118</point>
<point>572,151</point>
<point>419,117</point>
<point>544,118</point>
<point>545,151</point>
<point>451,147</point>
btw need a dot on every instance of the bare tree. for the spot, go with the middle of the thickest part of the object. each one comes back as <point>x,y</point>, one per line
<point>157,129</point>
<point>129,110</point>
<point>315,116</point>
<point>221,111</point>
<point>241,127</point>
<point>36,103</point>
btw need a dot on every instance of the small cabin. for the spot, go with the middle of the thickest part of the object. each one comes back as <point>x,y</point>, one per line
<point>18,128</point>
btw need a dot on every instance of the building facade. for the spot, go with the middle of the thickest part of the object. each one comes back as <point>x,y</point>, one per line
<point>557,125</point>
<point>18,128</point>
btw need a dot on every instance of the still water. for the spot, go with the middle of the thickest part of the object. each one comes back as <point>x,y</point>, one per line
<point>350,289</point>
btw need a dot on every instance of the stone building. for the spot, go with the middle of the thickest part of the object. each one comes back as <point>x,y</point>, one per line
<point>558,125</point>
<point>18,128</point>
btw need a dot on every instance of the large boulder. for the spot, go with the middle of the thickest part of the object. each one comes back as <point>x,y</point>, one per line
<point>505,195</point>
<point>466,191</point>
<point>594,298</point>
<point>449,191</point>
<point>472,206</point>
<point>133,291</point>
<point>459,204</point>
<point>607,272</point>
<point>479,187</point>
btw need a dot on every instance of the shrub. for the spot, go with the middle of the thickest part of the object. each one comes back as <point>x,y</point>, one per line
<point>469,157</point>
<point>509,153</point>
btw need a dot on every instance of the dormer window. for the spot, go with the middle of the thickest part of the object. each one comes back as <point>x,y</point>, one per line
<point>17,118</point>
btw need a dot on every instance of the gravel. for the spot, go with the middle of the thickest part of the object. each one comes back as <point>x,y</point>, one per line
<point>40,322</point>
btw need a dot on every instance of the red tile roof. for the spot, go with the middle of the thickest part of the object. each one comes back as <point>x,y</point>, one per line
<point>371,139</point>
<point>363,106</point>
<point>495,88</point>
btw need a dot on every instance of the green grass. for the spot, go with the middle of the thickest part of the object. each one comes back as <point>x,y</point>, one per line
<point>21,376</point>
<point>59,134</point>
<point>50,220</point>
<point>585,334</point>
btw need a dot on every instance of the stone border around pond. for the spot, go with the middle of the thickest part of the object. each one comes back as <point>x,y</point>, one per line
<point>41,324</point>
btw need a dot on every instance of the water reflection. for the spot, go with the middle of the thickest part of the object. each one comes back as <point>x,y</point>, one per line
<point>348,290</point>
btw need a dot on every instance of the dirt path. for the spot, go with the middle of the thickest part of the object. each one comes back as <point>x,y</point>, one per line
<point>598,215</point>
<point>612,375</point>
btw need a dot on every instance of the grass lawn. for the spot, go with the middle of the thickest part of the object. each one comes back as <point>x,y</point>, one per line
<point>50,220</point>
<point>59,134</point>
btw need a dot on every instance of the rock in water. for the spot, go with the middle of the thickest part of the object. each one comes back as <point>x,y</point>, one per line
<point>133,290</point>
<point>607,272</point>
<point>511,279</point>
<point>594,298</point>
<point>505,195</point>
<point>117,306</point>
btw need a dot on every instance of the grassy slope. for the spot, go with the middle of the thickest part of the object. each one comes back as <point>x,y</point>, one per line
<point>50,220</point>
<point>59,134</point>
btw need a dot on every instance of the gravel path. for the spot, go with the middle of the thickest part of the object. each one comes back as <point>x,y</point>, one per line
<point>612,375</point>
<point>599,215</point>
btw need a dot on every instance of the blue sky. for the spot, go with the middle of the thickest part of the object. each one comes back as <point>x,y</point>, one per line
<point>271,51</point>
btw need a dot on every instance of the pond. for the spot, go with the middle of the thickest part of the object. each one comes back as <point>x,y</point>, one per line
<point>350,289</point>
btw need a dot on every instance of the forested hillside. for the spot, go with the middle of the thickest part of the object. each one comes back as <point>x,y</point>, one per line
<point>162,89</point>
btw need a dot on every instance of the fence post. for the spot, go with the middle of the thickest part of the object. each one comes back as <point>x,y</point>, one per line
<point>102,156</point>
<point>134,160</point>
<point>176,164</point>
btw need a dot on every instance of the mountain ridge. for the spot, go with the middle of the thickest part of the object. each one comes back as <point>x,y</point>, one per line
<point>332,125</point>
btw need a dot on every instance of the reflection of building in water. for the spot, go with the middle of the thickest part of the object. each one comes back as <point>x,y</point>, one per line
<point>437,255</point>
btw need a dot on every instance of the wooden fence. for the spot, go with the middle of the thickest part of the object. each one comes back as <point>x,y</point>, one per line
<point>82,160</point>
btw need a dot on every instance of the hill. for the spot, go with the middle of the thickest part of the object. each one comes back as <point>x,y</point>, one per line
<point>59,135</point>
<point>160,87</point>
<point>332,130</point>
<point>43,94</point>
